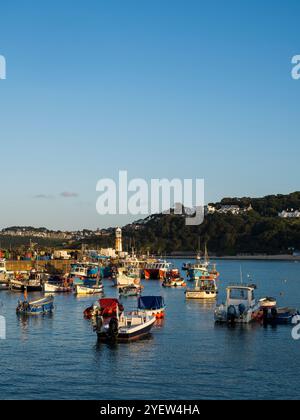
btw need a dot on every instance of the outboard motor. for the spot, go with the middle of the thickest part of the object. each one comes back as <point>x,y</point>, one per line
<point>265,316</point>
<point>231,314</point>
<point>242,308</point>
<point>113,328</point>
<point>98,324</point>
<point>273,315</point>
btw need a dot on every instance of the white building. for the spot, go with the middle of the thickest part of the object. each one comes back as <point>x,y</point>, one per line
<point>227,208</point>
<point>108,252</point>
<point>286,214</point>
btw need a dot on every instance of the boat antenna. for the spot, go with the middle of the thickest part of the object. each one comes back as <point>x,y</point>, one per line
<point>241,274</point>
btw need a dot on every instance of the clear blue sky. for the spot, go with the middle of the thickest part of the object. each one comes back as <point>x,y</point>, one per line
<point>181,88</point>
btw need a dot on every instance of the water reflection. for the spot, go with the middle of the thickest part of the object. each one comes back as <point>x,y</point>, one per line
<point>33,322</point>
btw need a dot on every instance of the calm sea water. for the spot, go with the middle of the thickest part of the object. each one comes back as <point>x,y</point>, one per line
<point>187,356</point>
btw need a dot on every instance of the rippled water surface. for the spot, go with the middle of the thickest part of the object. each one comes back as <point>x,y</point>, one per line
<point>187,356</point>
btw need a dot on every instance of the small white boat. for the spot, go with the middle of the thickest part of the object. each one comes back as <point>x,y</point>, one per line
<point>124,327</point>
<point>267,302</point>
<point>174,282</point>
<point>88,290</point>
<point>240,305</point>
<point>56,288</point>
<point>204,289</point>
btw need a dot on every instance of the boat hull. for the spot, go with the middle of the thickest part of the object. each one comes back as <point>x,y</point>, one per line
<point>42,306</point>
<point>129,335</point>
<point>194,294</point>
<point>21,287</point>
<point>54,288</point>
<point>151,274</point>
<point>157,313</point>
<point>84,290</point>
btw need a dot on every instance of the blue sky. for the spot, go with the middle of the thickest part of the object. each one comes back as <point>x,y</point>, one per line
<point>161,88</point>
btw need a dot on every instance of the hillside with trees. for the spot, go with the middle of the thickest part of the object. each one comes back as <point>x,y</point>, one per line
<point>259,231</point>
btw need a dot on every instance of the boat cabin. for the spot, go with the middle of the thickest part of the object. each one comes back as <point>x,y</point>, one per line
<point>79,270</point>
<point>239,294</point>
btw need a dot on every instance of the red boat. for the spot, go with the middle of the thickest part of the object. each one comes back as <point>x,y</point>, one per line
<point>157,271</point>
<point>107,308</point>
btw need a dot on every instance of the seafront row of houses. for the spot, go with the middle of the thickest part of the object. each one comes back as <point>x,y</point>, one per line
<point>48,234</point>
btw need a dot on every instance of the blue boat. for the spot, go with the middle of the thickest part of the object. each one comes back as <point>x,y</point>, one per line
<point>40,306</point>
<point>196,271</point>
<point>279,316</point>
<point>152,305</point>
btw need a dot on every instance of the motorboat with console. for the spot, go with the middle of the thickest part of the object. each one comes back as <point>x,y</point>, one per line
<point>240,305</point>
<point>123,327</point>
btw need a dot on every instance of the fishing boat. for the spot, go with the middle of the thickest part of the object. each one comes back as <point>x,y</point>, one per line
<point>152,305</point>
<point>133,272</point>
<point>124,327</point>
<point>130,291</point>
<point>93,270</point>
<point>122,279</point>
<point>240,305</point>
<point>197,270</point>
<point>32,283</point>
<point>79,270</point>
<point>204,289</point>
<point>36,307</point>
<point>157,270</point>
<point>106,307</point>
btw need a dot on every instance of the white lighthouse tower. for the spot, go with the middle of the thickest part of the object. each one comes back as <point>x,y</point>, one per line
<point>119,247</point>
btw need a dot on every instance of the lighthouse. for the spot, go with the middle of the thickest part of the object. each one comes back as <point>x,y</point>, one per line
<point>118,240</point>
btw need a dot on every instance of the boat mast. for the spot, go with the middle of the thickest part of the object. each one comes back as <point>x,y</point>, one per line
<point>206,258</point>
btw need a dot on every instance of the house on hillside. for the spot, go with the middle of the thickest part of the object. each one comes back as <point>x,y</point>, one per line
<point>289,214</point>
<point>227,208</point>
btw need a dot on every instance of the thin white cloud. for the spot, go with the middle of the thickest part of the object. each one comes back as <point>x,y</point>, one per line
<point>68,194</point>
<point>43,196</point>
